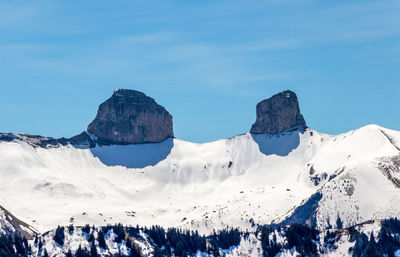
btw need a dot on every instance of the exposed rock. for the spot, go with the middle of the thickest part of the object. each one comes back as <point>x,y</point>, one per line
<point>10,225</point>
<point>305,213</point>
<point>35,141</point>
<point>390,167</point>
<point>83,139</point>
<point>130,117</point>
<point>277,114</point>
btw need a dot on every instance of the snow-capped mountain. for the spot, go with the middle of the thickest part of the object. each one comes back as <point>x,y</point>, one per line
<point>295,175</point>
<point>205,186</point>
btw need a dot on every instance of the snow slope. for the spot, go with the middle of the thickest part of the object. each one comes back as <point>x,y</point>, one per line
<point>231,182</point>
<point>9,224</point>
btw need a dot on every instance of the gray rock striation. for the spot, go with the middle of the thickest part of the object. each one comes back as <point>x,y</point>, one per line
<point>277,114</point>
<point>129,117</point>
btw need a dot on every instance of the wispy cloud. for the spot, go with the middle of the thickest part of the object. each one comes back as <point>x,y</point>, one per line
<point>233,41</point>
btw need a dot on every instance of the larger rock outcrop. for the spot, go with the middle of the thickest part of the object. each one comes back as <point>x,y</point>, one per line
<point>277,114</point>
<point>130,117</point>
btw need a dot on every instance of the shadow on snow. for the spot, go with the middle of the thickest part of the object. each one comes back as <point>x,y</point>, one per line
<point>134,155</point>
<point>281,144</point>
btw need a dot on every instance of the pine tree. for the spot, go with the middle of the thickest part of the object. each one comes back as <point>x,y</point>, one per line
<point>71,229</point>
<point>25,241</point>
<point>86,229</point>
<point>135,252</point>
<point>372,247</point>
<point>93,250</point>
<point>102,241</point>
<point>157,252</point>
<point>80,252</point>
<point>91,238</point>
<point>19,246</point>
<point>180,247</point>
<point>265,240</point>
<point>40,244</point>
<point>128,243</point>
<point>69,253</point>
<point>119,232</point>
<point>339,223</point>
<point>59,236</point>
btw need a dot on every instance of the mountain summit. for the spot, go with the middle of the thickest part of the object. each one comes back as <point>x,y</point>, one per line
<point>131,117</point>
<point>277,114</point>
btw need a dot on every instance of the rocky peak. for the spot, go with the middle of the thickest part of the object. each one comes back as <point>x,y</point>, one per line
<point>130,117</point>
<point>277,114</point>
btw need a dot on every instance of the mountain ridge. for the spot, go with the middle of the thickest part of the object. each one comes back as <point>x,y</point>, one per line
<point>131,117</point>
<point>188,166</point>
<point>298,175</point>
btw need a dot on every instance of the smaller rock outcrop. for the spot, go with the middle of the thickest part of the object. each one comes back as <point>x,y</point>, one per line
<point>33,140</point>
<point>277,114</point>
<point>83,139</point>
<point>130,117</point>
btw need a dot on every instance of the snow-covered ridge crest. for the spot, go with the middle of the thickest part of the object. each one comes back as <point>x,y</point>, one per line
<point>292,174</point>
<point>238,181</point>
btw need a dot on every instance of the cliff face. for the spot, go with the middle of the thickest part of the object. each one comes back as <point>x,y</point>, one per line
<point>277,114</point>
<point>131,117</point>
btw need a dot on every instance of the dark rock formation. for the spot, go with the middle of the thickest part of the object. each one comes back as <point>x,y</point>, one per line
<point>83,139</point>
<point>305,213</point>
<point>277,114</point>
<point>130,117</point>
<point>33,140</point>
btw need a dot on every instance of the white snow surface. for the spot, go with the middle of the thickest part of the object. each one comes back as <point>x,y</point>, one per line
<point>207,186</point>
<point>11,225</point>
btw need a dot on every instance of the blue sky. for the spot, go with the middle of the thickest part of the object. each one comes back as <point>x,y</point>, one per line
<point>207,62</point>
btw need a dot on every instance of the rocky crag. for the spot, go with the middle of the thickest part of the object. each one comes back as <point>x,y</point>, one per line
<point>277,114</point>
<point>128,117</point>
<point>131,117</point>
